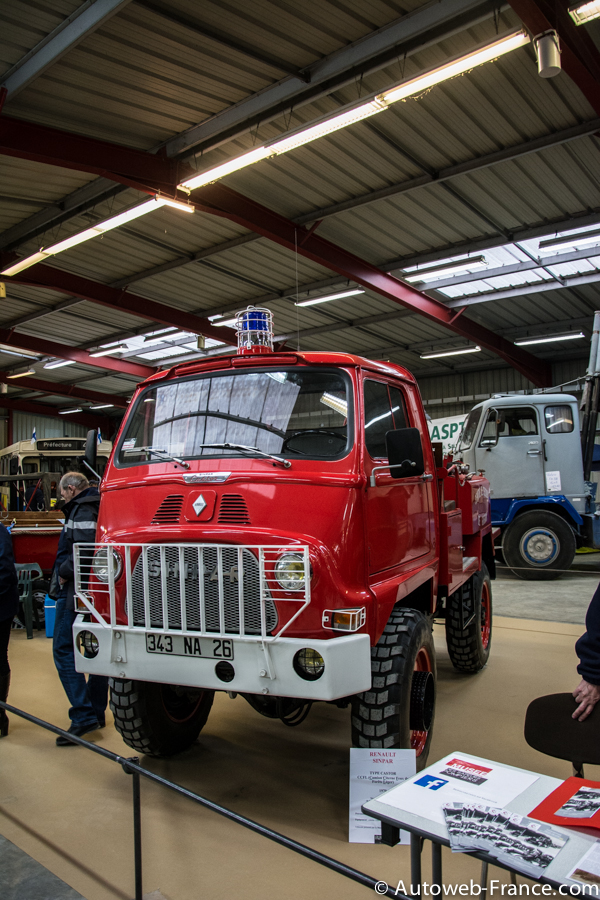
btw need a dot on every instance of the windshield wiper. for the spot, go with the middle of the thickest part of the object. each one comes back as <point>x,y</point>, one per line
<point>244,449</point>
<point>159,453</point>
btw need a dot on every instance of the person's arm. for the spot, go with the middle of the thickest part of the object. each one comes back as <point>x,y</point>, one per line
<point>8,575</point>
<point>81,530</point>
<point>587,692</point>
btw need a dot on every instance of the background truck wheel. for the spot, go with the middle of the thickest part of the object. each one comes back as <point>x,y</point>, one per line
<point>538,543</point>
<point>398,711</point>
<point>158,719</point>
<point>469,623</point>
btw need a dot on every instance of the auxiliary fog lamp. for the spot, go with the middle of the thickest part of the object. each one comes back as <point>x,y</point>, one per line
<point>87,644</point>
<point>309,664</point>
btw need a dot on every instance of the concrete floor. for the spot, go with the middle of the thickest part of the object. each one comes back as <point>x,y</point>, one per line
<point>71,810</point>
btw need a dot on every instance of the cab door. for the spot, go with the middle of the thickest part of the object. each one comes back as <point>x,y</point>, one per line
<point>511,452</point>
<point>398,510</point>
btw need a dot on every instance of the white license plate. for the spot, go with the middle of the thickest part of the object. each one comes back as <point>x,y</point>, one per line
<point>183,645</point>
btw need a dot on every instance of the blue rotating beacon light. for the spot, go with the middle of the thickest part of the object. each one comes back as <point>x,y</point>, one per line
<point>254,327</point>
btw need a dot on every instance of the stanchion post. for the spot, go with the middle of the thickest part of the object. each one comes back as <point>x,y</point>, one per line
<point>137,825</point>
<point>416,844</point>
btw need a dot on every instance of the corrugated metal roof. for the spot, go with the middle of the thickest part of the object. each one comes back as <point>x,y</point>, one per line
<point>124,85</point>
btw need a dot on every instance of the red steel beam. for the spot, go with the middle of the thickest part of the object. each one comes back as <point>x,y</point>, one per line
<point>63,390</point>
<point>580,58</point>
<point>58,280</point>
<point>223,201</point>
<point>42,409</point>
<point>63,351</point>
<point>146,171</point>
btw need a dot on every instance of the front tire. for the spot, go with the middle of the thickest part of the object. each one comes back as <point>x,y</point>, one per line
<point>399,709</point>
<point>538,545</point>
<point>469,623</point>
<point>158,719</point>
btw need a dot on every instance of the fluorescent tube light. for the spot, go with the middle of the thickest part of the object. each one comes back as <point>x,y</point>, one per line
<point>328,126</point>
<point>437,354</point>
<point>456,67</point>
<point>108,350</point>
<point>571,240</point>
<point>67,412</point>
<point>225,321</point>
<point>364,110</point>
<point>327,298</point>
<point>19,373</point>
<point>59,363</point>
<point>450,268</point>
<point>548,340</point>
<point>103,406</point>
<point>585,12</point>
<point>232,165</point>
<point>99,228</point>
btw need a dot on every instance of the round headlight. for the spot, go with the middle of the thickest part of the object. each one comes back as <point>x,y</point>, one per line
<point>100,564</point>
<point>289,571</point>
<point>309,664</point>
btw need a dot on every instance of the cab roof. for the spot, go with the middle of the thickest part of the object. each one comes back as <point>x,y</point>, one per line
<point>233,361</point>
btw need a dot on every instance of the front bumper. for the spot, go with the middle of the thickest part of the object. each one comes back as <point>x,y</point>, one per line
<point>261,667</point>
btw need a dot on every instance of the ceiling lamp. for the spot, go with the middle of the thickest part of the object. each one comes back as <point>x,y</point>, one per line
<point>107,225</point>
<point>573,336</point>
<point>571,240</point>
<point>328,297</point>
<point>19,373</point>
<point>67,412</point>
<point>585,12</point>
<point>103,406</point>
<point>108,350</point>
<point>436,354</point>
<point>356,113</point>
<point>448,268</point>
<point>59,363</point>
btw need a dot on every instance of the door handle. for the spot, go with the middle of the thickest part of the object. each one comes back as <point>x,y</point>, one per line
<point>427,477</point>
<point>534,453</point>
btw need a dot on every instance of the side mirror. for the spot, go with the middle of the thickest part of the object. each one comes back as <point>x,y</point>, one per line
<point>491,430</point>
<point>89,459</point>
<point>405,452</point>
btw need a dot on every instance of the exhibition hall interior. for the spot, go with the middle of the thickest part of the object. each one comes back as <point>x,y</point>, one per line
<point>299,449</point>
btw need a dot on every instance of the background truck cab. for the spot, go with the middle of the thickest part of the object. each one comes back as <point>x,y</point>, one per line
<point>276,525</point>
<point>529,447</point>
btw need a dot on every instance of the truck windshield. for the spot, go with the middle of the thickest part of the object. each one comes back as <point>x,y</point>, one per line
<point>469,429</point>
<point>301,414</point>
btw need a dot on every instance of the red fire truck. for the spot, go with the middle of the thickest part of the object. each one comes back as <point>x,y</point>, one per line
<point>277,525</point>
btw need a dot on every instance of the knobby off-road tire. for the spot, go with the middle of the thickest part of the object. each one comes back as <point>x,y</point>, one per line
<point>469,648</point>
<point>403,667</point>
<point>538,545</point>
<point>158,719</point>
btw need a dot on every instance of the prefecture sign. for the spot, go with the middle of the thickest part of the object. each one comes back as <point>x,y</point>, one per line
<point>54,444</point>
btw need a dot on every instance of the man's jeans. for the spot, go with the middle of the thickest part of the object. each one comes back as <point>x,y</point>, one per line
<point>88,698</point>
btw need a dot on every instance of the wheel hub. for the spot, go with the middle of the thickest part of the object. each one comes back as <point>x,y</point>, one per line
<point>539,546</point>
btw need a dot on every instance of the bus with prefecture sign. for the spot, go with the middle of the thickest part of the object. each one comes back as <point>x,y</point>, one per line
<point>279,527</point>
<point>52,455</point>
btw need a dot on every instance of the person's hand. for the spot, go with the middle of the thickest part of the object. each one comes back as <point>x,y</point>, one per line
<point>587,695</point>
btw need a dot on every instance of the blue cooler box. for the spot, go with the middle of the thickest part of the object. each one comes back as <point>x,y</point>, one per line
<point>49,615</point>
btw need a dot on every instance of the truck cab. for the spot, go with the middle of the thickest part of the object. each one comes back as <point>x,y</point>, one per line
<point>277,525</point>
<point>529,448</point>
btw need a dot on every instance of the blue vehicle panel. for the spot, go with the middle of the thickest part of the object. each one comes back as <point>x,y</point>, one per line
<point>505,509</point>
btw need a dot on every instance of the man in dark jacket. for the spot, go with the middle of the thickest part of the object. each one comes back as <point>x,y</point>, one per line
<point>587,648</point>
<point>9,602</point>
<point>88,698</point>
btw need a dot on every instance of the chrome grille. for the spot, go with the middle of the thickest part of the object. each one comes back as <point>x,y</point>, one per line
<point>200,599</point>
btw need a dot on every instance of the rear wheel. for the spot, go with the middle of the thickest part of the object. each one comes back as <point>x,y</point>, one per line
<point>538,545</point>
<point>158,719</point>
<point>469,623</point>
<point>399,709</point>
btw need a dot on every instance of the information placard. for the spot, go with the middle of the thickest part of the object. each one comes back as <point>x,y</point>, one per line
<point>372,772</point>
